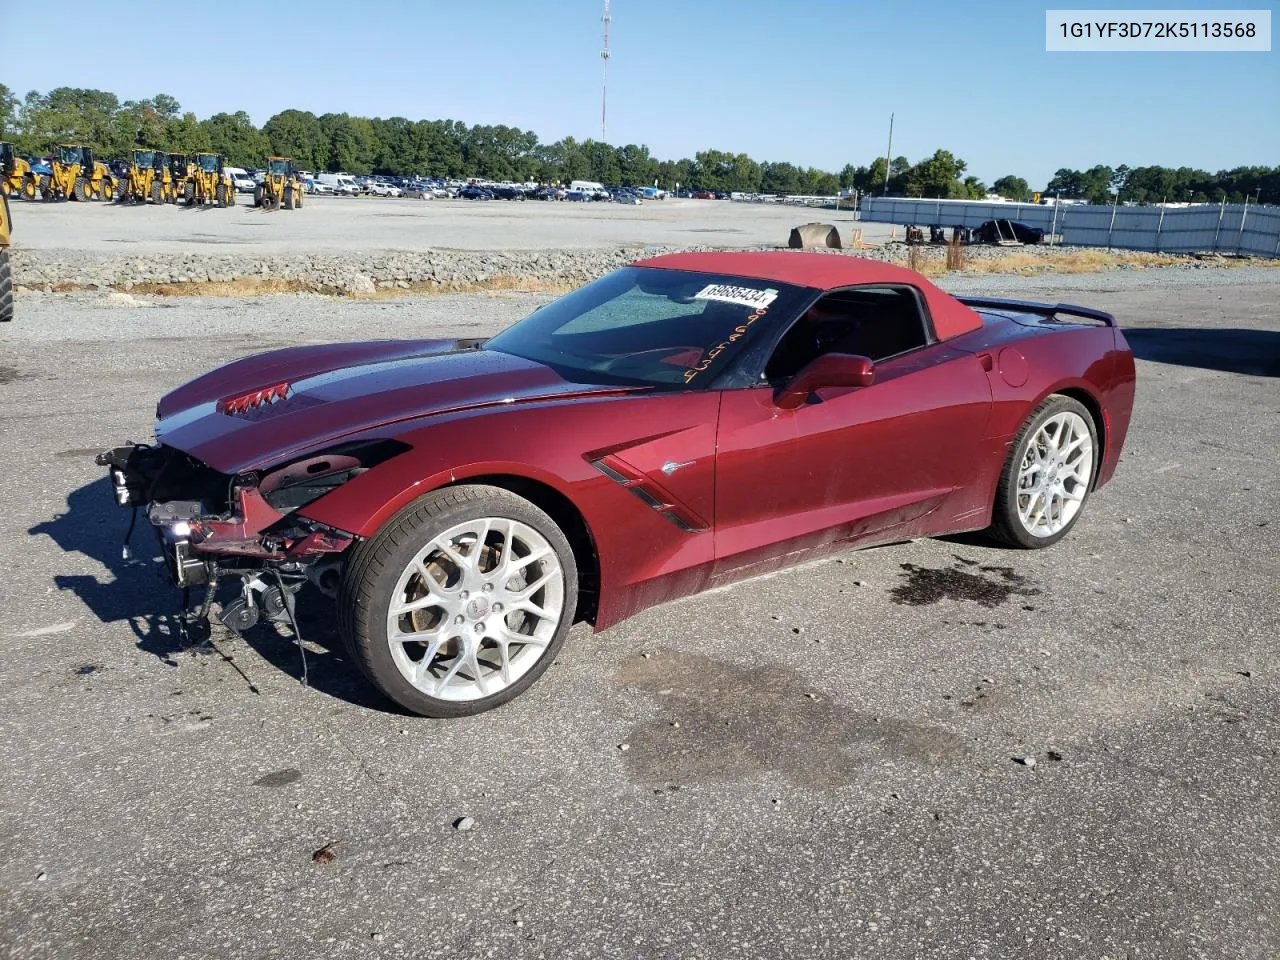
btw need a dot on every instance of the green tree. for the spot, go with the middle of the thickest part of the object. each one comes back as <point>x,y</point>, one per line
<point>235,137</point>
<point>8,112</point>
<point>1012,188</point>
<point>297,134</point>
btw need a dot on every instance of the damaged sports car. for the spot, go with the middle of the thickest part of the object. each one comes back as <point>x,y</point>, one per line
<point>680,423</point>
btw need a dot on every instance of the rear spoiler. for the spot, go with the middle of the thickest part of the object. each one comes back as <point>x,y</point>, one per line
<point>1047,310</point>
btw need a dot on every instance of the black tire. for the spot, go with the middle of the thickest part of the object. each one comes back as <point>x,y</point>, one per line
<point>297,200</point>
<point>157,194</point>
<point>288,198</point>
<point>1006,524</point>
<point>81,190</point>
<point>189,194</point>
<point>374,568</point>
<point>30,187</point>
<point>6,286</point>
<point>257,195</point>
<point>220,195</point>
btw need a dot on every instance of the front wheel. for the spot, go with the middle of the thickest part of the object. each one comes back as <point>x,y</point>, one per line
<point>460,602</point>
<point>6,286</point>
<point>1047,476</point>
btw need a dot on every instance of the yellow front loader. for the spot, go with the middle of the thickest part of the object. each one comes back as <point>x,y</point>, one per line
<point>179,177</point>
<point>6,272</point>
<point>279,186</point>
<point>148,178</point>
<point>76,176</point>
<point>16,178</point>
<point>208,184</point>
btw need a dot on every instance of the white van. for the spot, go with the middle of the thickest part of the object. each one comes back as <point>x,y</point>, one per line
<point>341,183</point>
<point>586,186</point>
<point>240,179</point>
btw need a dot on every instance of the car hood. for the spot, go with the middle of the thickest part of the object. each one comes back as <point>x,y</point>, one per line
<point>268,408</point>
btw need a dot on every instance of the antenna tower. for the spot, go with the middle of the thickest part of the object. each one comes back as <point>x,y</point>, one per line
<point>604,71</point>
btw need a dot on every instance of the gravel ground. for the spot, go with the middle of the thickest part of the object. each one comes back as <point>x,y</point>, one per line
<point>346,225</point>
<point>819,763</point>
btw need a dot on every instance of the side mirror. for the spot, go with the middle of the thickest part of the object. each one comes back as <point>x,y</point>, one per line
<point>828,370</point>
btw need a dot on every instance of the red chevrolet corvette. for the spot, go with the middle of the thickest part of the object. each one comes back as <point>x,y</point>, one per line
<point>677,424</point>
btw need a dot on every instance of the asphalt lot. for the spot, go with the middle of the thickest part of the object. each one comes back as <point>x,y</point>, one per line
<point>347,224</point>
<point>819,764</point>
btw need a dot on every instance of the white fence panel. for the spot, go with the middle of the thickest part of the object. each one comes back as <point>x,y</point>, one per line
<point>1234,229</point>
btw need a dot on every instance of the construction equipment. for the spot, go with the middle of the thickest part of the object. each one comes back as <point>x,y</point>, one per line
<point>16,178</point>
<point>6,272</point>
<point>179,175</point>
<point>76,175</point>
<point>279,186</point>
<point>148,178</point>
<point>810,235</point>
<point>208,184</point>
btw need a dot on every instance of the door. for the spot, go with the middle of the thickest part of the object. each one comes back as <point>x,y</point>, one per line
<point>851,465</point>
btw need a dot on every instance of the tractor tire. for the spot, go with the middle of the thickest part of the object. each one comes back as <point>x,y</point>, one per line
<point>30,188</point>
<point>270,201</point>
<point>231,196</point>
<point>257,195</point>
<point>288,198</point>
<point>108,190</point>
<point>297,201</point>
<point>157,194</point>
<point>6,286</point>
<point>220,195</point>
<point>81,190</point>
<point>46,187</point>
<point>189,194</point>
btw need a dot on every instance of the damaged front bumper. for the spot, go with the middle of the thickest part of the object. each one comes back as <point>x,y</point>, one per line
<point>210,523</point>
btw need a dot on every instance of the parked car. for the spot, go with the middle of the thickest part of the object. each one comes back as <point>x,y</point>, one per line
<point>475,193</point>
<point>341,183</point>
<point>993,231</point>
<point>466,501</point>
<point>380,189</point>
<point>240,179</point>
<point>315,186</point>
<point>508,193</point>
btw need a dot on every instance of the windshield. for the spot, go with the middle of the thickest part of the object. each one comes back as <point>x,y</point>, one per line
<point>68,155</point>
<point>178,163</point>
<point>208,162</point>
<point>646,326</point>
<point>143,158</point>
<point>279,168</point>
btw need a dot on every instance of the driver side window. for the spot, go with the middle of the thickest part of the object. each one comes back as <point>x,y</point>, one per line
<point>873,322</point>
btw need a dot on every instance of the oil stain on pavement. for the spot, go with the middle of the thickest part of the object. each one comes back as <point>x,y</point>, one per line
<point>988,587</point>
<point>722,722</point>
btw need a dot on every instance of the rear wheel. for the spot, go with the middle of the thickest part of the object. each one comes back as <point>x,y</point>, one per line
<point>1047,476</point>
<point>189,194</point>
<point>46,187</point>
<point>460,602</point>
<point>257,195</point>
<point>81,190</point>
<point>108,190</point>
<point>157,193</point>
<point>221,195</point>
<point>29,187</point>
<point>288,198</point>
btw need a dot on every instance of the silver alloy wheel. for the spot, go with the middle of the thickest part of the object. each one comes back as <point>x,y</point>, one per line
<point>475,609</point>
<point>1054,475</point>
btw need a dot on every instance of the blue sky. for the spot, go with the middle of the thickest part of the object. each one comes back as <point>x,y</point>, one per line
<point>809,81</point>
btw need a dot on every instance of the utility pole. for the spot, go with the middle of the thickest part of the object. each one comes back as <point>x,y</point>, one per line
<point>887,154</point>
<point>604,72</point>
